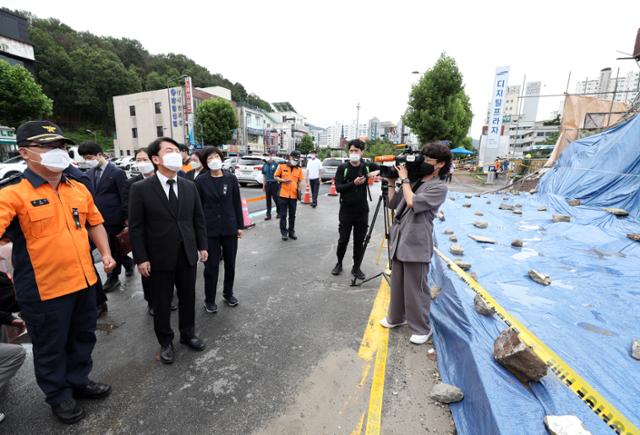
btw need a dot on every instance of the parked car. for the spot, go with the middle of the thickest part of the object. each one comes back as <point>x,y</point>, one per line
<point>230,164</point>
<point>14,165</point>
<point>329,166</point>
<point>125,163</point>
<point>248,170</point>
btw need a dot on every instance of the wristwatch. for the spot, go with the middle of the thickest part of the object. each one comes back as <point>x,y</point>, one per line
<point>405,181</point>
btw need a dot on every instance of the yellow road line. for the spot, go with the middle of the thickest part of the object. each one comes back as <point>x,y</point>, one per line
<point>609,414</point>
<point>374,415</point>
<point>373,331</point>
<point>358,429</point>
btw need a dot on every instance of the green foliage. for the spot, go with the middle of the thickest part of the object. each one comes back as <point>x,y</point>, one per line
<point>215,121</point>
<point>21,98</point>
<point>306,144</point>
<point>82,72</point>
<point>439,109</point>
<point>79,136</point>
<point>552,138</point>
<point>467,143</point>
<point>379,148</point>
<point>323,153</point>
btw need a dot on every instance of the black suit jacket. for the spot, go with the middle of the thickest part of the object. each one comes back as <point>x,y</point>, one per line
<point>127,191</point>
<point>223,208</point>
<point>108,194</point>
<point>155,230</point>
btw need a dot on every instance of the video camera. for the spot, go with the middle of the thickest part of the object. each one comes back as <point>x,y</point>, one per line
<point>412,159</point>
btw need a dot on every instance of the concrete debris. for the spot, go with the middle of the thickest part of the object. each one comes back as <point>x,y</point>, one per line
<point>468,196</point>
<point>565,425</point>
<point>517,205</point>
<point>542,208</point>
<point>445,393</point>
<point>452,198</point>
<point>474,276</point>
<point>560,218</point>
<point>532,191</point>
<point>480,224</point>
<point>540,278</point>
<point>479,213</point>
<point>453,238</point>
<point>435,292</point>
<point>504,206</point>
<point>574,202</point>
<point>448,232</point>
<point>517,243</point>
<point>466,205</point>
<point>456,249</point>
<point>635,348</point>
<point>462,264</point>
<point>440,216</point>
<point>617,211</point>
<point>481,239</point>
<point>517,211</point>
<point>488,202</point>
<point>481,306</point>
<point>634,236</point>
<point>517,357</point>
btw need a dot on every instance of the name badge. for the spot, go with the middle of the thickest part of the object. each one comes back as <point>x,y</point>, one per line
<point>39,202</point>
<point>224,189</point>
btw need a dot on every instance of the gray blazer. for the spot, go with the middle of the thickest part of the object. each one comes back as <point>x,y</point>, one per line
<point>411,238</point>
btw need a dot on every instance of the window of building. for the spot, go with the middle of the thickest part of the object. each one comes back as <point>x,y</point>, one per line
<point>132,110</point>
<point>121,153</point>
<point>128,152</point>
<point>134,133</point>
<point>159,131</point>
<point>158,108</point>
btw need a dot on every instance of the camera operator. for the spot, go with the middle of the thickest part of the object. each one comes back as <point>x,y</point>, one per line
<point>351,183</point>
<point>422,191</point>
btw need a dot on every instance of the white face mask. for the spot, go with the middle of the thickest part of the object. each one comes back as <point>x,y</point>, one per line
<point>195,164</point>
<point>293,162</point>
<point>56,160</point>
<point>354,157</point>
<point>215,164</point>
<point>145,167</point>
<point>313,157</point>
<point>92,163</point>
<point>172,161</point>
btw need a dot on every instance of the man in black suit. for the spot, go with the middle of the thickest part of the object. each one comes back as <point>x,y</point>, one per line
<point>108,189</point>
<point>168,234</point>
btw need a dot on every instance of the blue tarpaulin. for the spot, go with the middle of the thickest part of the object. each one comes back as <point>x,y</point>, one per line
<point>461,150</point>
<point>589,314</point>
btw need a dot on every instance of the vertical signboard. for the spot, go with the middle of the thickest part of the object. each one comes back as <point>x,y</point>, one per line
<point>176,107</point>
<point>188,108</point>
<point>496,107</point>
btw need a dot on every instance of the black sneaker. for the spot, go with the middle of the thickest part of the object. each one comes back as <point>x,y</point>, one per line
<point>210,308</point>
<point>232,301</point>
<point>356,272</point>
<point>111,284</point>
<point>68,412</point>
<point>285,237</point>
<point>268,218</point>
<point>293,236</point>
<point>337,270</point>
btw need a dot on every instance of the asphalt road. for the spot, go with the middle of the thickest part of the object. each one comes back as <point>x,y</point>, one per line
<point>284,361</point>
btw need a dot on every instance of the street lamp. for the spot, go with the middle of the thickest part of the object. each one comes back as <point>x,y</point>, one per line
<point>95,136</point>
<point>169,80</point>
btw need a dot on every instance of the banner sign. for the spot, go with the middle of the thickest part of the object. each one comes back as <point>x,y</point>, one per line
<point>497,106</point>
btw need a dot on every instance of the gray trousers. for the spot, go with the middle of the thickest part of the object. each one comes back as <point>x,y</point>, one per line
<point>11,358</point>
<point>410,297</point>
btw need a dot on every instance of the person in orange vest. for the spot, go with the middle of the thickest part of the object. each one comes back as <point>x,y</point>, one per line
<point>289,175</point>
<point>50,218</point>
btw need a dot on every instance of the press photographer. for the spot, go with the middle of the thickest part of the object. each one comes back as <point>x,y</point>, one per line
<point>416,202</point>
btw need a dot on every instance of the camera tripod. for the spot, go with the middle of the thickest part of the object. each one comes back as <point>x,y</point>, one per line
<point>382,203</point>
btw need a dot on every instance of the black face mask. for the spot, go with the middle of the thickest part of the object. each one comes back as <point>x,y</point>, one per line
<point>421,171</point>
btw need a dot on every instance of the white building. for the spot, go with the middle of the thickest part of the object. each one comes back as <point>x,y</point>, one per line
<point>605,86</point>
<point>145,116</point>
<point>531,100</point>
<point>512,102</point>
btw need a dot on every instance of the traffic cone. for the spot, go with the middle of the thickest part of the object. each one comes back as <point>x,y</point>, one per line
<point>245,215</point>
<point>306,199</point>
<point>333,191</point>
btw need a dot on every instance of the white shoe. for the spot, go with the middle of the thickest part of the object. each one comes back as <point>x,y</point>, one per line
<point>420,339</point>
<point>384,322</point>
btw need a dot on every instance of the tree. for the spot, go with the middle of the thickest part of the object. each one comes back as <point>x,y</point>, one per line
<point>439,109</point>
<point>467,143</point>
<point>21,98</point>
<point>379,148</point>
<point>306,144</point>
<point>215,121</point>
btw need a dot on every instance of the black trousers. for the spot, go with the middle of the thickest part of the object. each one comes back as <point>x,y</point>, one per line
<point>63,334</point>
<point>146,289</point>
<point>272,191</point>
<point>359,222</point>
<point>101,296</point>
<point>162,283</point>
<point>288,206</point>
<point>121,260</point>
<point>229,247</point>
<point>315,188</point>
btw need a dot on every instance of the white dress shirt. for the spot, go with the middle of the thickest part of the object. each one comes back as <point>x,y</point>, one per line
<point>165,185</point>
<point>313,168</point>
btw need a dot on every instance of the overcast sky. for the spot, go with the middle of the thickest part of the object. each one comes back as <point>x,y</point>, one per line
<point>326,56</point>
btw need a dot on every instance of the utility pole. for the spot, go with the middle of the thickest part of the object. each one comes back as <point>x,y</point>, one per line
<point>357,119</point>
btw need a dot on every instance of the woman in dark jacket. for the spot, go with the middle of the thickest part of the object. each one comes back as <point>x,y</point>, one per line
<point>220,196</point>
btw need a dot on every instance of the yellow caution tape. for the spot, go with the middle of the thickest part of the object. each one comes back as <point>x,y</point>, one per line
<point>608,413</point>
